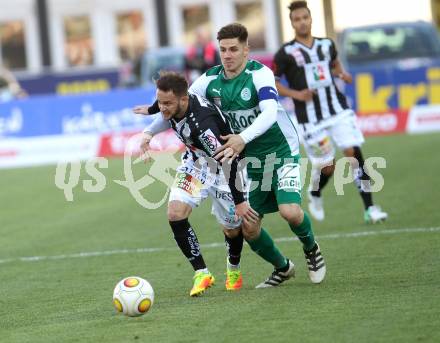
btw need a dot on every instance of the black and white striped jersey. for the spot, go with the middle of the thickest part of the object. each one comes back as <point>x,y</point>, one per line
<point>200,130</point>
<point>310,67</point>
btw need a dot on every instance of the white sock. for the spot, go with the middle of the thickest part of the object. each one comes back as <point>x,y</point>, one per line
<point>204,270</point>
<point>232,266</point>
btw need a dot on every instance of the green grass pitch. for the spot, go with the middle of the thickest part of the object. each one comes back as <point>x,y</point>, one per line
<point>382,281</point>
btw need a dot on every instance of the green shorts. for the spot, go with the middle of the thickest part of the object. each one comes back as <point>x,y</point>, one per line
<point>280,184</point>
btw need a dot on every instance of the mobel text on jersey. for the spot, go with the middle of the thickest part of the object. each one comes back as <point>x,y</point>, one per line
<point>239,120</point>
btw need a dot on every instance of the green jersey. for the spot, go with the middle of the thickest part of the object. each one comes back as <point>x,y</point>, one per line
<point>243,99</point>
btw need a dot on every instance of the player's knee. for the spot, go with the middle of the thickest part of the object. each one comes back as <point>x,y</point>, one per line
<point>231,233</point>
<point>349,152</point>
<point>328,170</point>
<point>292,213</point>
<point>175,215</point>
<point>250,232</point>
<point>178,211</point>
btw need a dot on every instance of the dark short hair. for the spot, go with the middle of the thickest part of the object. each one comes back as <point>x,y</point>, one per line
<point>172,81</point>
<point>235,30</point>
<point>297,5</point>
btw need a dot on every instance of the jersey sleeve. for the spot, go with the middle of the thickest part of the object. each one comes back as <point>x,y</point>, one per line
<point>279,64</point>
<point>200,85</point>
<point>264,82</point>
<point>211,127</point>
<point>153,109</point>
<point>333,50</point>
<point>158,125</point>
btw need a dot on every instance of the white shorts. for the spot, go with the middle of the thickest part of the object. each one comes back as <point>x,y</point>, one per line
<point>192,186</point>
<point>319,141</point>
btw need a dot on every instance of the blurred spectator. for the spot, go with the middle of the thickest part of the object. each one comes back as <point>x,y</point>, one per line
<point>9,87</point>
<point>201,56</point>
<point>130,69</point>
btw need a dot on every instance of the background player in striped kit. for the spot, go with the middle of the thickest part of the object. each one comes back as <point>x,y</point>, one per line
<point>310,65</point>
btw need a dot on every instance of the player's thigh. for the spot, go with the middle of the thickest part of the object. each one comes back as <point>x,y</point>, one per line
<point>262,198</point>
<point>346,132</point>
<point>287,182</point>
<point>319,147</point>
<point>188,189</point>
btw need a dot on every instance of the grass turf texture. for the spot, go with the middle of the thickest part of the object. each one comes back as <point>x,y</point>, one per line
<point>379,288</point>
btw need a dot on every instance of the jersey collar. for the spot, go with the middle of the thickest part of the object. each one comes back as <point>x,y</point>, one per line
<point>225,79</point>
<point>305,46</point>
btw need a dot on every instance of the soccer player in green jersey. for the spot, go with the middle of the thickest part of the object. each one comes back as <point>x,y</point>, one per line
<point>245,91</point>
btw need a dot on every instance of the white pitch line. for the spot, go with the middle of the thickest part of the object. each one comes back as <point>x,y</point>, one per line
<point>215,245</point>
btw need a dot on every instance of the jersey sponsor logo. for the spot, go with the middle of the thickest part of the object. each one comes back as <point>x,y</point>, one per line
<point>322,147</point>
<point>240,120</point>
<point>231,218</point>
<point>209,141</point>
<point>186,131</point>
<point>246,94</point>
<point>320,142</point>
<point>193,243</point>
<point>318,75</point>
<point>188,183</point>
<point>289,177</point>
<point>217,90</point>
<point>198,172</point>
<point>290,184</point>
<point>227,196</point>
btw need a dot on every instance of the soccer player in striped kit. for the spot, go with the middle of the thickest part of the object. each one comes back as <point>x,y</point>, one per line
<point>310,65</point>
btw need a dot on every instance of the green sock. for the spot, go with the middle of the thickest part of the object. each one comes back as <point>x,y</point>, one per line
<point>305,233</point>
<point>265,248</point>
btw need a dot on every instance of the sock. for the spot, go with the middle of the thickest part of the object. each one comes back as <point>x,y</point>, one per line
<point>323,179</point>
<point>264,246</point>
<point>204,270</point>
<point>188,243</point>
<point>362,179</point>
<point>234,247</point>
<point>304,233</point>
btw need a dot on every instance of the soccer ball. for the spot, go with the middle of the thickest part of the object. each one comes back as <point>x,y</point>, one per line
<point>133,296</point>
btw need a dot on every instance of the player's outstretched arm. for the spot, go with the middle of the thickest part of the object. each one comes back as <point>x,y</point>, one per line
<point>141,109</point>
<point>157,126</point>
<point>147,109</point>
<point>145,146</point>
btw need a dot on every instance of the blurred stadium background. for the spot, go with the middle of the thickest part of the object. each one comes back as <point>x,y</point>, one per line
<point>85,63</point>
<point>93,49</point>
